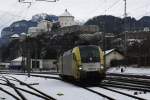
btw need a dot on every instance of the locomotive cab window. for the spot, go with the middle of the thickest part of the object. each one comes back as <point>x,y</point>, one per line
<point>89,54</point>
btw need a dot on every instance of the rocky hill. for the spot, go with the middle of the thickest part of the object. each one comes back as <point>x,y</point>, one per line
<point>21,26</point>
<point>111,24</point>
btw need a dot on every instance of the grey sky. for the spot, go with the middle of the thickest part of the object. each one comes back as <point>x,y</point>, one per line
<point>11,10</point>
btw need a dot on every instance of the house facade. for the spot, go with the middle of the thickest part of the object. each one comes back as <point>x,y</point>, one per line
<point>111,55</point>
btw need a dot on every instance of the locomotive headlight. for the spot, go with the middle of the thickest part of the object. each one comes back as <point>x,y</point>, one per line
<point>80,68</point>
<point>102,67</point>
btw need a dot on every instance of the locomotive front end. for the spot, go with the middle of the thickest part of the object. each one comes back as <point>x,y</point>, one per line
<point>91,66</point>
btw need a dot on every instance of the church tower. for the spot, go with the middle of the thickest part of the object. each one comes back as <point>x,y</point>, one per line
<point>66,19</point>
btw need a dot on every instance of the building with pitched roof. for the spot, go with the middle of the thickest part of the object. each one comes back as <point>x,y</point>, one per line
<point>66,19</point>
<point>111,55</point>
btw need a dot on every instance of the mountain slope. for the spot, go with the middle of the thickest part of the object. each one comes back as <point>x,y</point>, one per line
<point>111,24</point>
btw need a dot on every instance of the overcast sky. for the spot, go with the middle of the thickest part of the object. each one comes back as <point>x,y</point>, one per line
<point>11,10</point>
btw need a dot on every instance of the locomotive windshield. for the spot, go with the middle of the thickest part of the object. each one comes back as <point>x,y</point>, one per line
<point>89,54</point>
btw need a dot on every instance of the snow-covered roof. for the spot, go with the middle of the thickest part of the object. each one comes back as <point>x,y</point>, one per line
<point>66,14</point>
<point>18,59</point>
<point>15,36</point>
<point>23,33</point>
<point>108,51</point>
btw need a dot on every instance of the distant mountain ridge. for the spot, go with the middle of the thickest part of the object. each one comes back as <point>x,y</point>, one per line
<point>108,23</point>
<point>44,16</point>
<point>17,28</point>
<point>22,26</point>
<point>112,24</point>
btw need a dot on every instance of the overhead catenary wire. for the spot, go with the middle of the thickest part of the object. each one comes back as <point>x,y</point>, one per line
<point>25,13</point>
<point>13,16</point>
<point>118,1</point>
<point>113,5</point>
<point>4,13</point>
<point>110,7</point>
<point>97,7</point>
<point>106,9</point>
<point>20,13</point>
<point>142,9</point>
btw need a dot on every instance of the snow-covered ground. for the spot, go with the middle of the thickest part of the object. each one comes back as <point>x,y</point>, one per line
<point>114,95</point>
<point>61,90</point>
<point>130,70</point>
<point>55,88</point>
<point>141,94</point>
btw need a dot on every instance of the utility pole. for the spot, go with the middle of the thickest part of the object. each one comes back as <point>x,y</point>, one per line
<point>104,40</point>
<point>125,8</point>
<point>125,28</point>
<point>104,37</point>
<point>28,59</point>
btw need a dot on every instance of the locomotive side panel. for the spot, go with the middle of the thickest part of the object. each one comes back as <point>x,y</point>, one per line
<point>68,64</point>
<point>60,67</point>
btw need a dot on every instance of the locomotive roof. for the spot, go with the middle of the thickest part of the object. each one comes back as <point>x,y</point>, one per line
<point>70,51</point>
<point>67,52</point>
<point>87,45</point>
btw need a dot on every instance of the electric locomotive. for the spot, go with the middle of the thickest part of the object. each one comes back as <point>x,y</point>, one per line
<point>82,63</point>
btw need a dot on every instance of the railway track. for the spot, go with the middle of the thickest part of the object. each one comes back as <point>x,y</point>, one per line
<point>141,77</point>
<point>127,84</point>
<point>50,76</point>
<point>14,79</point>
<point>7,92</point>
<point>32,72</point>
<point>98,93</point>
<point>29,86</point>
<point>19,90</point>
<point>15,89</point>
<point>129,80</point>
<point>115,94</point>
<point>103,86</point>
<point>111,91</point>
<point>136,88</point>
<point>129,95</point>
